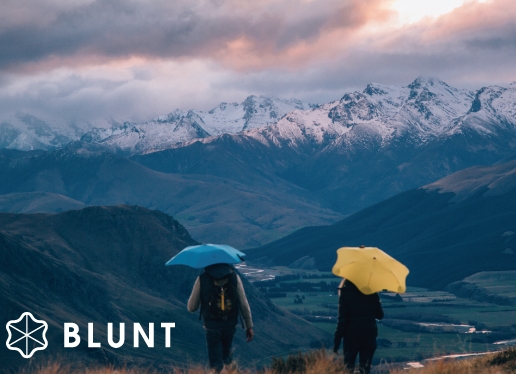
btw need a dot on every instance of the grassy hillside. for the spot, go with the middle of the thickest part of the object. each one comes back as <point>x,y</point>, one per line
<point>317,362</point>
<point>441,238</point>
<point>498,287</point>
<point>107,264</point>
<point>213,209</point>
<point>37,202</point>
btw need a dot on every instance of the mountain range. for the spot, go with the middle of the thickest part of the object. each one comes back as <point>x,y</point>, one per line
<point>312,166</point>
<point>364,148</point>
<point>24,131</point>
<point>180,126</point>
<point>445,231</point>
<point>107,264</point>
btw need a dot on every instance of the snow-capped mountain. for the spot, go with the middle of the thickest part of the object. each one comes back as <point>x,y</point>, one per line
<point>150,136</point>
<point>255,111</point>
<point>394,118</point>
<point>26,132</point>
<point>180,126</point>
<point>386,139</point>
<point>312,163</point>
<point>423,110</point>
<point>374,118</point>
<point>492,109</point>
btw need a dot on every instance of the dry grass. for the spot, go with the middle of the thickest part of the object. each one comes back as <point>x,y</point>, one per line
<point>497,363</point>
<point>313,362</point>
<point>316,362</point>
<point>58,368</point>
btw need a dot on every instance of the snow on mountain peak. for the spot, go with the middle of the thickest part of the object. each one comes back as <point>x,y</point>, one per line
<point>426,81</point>
<point>422,111</point>
<point>26,132</point>
<point>373,89</point>
<point>418,112</point>
<point>492,108</point>
<point>179,126</point>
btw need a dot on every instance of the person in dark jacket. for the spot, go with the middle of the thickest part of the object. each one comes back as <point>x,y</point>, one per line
<point>220,332</point>
<point>356,324</point>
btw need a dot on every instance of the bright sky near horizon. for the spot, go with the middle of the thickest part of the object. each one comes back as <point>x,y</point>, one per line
<point>411,11</point>
<point>98,60</point>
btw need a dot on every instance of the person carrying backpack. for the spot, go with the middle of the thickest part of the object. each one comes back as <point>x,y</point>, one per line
<point>220,294</point>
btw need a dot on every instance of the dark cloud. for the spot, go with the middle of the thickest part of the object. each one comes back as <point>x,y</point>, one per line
<point>492,43</point>
<point>121,28</point>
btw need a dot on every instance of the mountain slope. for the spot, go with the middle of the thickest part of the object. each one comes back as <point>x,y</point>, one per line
<point>443,232</point>
<point>214,209</point>
<point>106,264</point>
<point>181,126</point>
<point>495,287</point>
<point>364,148</point>
<point>417,112</point>
<point>37,202</point>
<point>26,132</point>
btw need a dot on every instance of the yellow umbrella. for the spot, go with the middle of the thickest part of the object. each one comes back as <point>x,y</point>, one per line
<point>370,269</point>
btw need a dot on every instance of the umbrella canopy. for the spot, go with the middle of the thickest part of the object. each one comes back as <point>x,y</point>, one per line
<point>200,256</point>
<point>370,269</point>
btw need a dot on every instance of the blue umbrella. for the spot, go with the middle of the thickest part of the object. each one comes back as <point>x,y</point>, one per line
<point>200,256</point>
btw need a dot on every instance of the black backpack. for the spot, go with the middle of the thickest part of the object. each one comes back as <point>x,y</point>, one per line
<point>219,298</point>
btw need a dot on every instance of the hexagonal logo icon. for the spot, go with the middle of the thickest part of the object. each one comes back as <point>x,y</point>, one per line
<point>26,335</point>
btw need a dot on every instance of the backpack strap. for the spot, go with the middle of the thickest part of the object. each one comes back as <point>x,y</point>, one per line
<point>205,282</point>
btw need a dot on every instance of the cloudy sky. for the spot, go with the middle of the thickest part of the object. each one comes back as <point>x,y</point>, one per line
<point>97,60</point>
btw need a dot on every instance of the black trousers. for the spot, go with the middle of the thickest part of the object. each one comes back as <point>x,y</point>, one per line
<point>219,343</point>
<point>363,345</point>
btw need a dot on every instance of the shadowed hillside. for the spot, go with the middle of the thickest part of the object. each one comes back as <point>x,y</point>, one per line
<point>443,232</point>
<point>37,202</point>
<point>106,264</point>
<point>212,208</point>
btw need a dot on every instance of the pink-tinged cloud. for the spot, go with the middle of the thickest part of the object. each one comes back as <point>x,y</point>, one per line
<point>245,36</point>
<point>476,19</point>
<point>471,22</point>
<point>304,36</point>
<point>476,42</point>
<point>241,34</point>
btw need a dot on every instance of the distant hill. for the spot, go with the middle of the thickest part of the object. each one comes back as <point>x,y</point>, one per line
<point>106,264</point>
<point>444,232</point>
<point>497,287</point>
<point>37,202</point>
<point>214,209</point>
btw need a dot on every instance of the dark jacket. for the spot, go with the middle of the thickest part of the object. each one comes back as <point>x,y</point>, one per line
<point>357,313</point>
